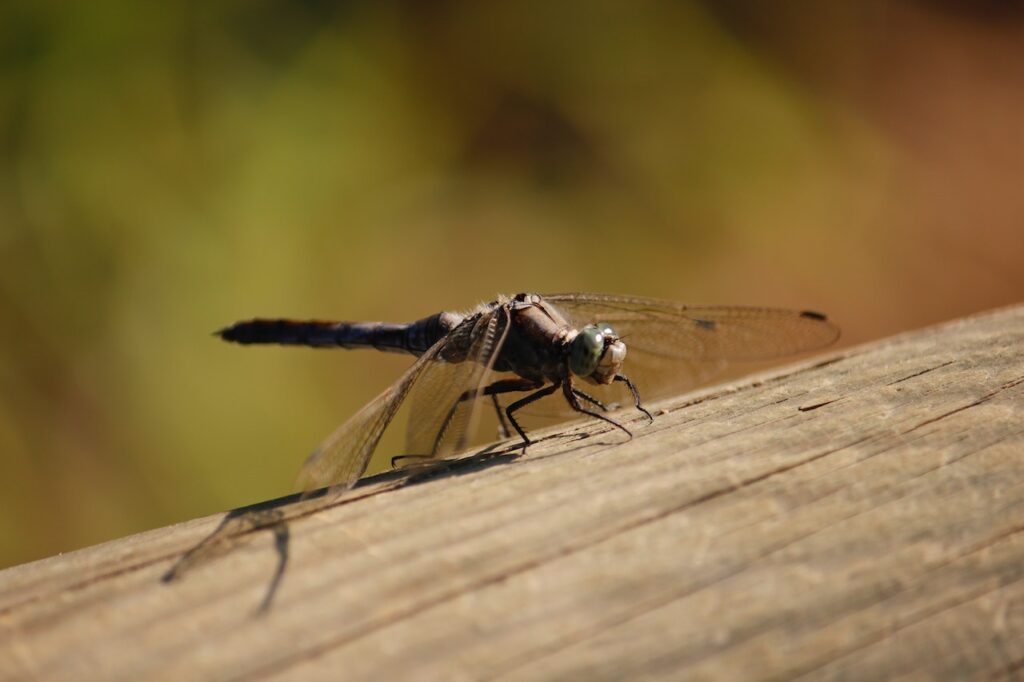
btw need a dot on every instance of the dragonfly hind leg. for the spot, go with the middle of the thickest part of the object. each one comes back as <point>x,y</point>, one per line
<point>500,386</point>
<point>503,431</point>
<point>523,402</point>
<point>398,458</point>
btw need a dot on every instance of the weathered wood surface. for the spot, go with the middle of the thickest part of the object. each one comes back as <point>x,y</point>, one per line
<point>860,516</point>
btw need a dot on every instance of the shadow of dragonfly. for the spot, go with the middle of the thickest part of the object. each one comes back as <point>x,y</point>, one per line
<point>274,516</point>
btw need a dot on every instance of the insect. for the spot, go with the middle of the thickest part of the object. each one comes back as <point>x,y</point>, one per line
<point>532,346</point>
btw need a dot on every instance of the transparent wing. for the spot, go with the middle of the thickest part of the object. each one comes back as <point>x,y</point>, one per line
<point>458,363</point>
<point>672,347</point>
<point>342,458</point>
<point>445,399</point>
<point>674,330</point>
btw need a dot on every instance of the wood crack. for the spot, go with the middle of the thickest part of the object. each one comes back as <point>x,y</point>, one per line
<point>927,370</point>
<point>980,401</point>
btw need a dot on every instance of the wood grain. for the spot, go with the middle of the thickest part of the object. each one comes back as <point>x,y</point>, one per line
<point>858,516</point>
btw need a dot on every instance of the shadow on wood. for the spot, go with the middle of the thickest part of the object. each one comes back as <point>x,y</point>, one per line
<point>272,516</point>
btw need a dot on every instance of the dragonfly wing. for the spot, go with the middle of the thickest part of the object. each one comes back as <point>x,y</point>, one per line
<point>679,346</point>
<point>674,330</point>
<point>445,399</point>
<point>342,458</point>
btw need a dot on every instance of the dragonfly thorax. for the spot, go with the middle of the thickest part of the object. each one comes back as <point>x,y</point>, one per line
<point>596,353</point>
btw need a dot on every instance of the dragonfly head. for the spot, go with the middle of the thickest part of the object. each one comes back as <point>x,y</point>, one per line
<point>596,353</point>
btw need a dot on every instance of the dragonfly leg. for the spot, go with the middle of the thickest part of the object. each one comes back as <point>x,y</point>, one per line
<point>523,402</point>
<point>636,395</point>
<point>574,403</point>
<point>503,431</point>
<point>590,399</point>
<point>500,386</point>
<point>398,458</point>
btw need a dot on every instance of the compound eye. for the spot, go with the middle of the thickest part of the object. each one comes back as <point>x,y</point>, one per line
<point>586,351</point>
<point>606,330</point>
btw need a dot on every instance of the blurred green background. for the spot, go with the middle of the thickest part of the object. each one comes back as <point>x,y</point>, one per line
<point>167,169</point>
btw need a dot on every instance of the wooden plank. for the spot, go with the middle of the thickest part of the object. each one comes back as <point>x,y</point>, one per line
<point>860,516</point>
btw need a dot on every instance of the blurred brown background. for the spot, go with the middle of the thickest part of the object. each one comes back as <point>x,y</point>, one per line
<point>166,169</point>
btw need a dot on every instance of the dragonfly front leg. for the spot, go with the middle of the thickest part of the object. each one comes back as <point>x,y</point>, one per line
<point>590,399</point>
<point>636,395</point>
<point>574,403</point>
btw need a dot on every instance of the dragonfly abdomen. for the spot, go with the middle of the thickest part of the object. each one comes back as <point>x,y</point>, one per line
<point>415,337</point>
<point>316,333</point>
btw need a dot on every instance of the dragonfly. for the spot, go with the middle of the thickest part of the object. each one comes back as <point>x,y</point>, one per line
<point>532,346</point>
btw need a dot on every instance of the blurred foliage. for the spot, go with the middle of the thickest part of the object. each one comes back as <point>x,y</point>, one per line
<point>166,169</point>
